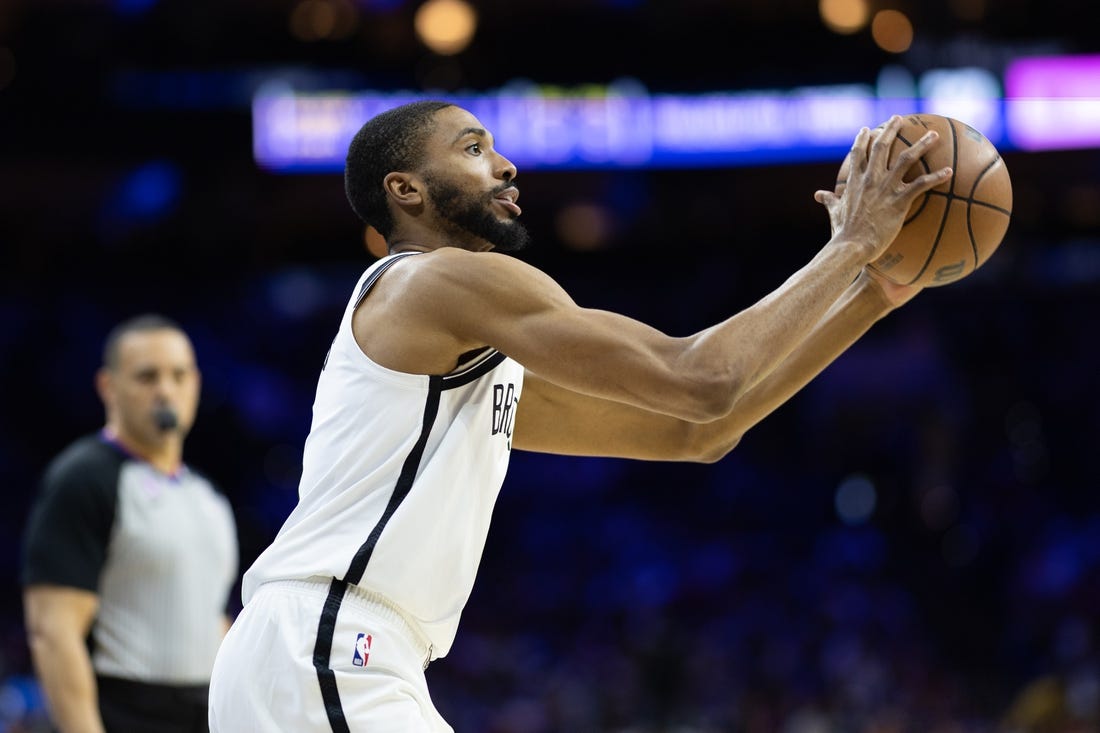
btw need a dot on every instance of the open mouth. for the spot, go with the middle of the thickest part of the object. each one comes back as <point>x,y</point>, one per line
<point>507,198</point>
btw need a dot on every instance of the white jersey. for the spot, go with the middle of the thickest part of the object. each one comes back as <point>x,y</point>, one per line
<point>400,476</point>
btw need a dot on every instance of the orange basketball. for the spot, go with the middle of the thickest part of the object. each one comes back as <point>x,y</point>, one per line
<point>954,228</point>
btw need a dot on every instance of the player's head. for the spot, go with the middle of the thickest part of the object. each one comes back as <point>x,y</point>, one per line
<point>149,381</point>
<point>390,141</point>
<point>435,161</point>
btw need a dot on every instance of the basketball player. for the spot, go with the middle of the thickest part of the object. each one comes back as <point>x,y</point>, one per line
<point>130,553</point>
<point>449,354</point>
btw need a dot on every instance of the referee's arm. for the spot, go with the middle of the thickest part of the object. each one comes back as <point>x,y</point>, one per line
<point>58,619</point>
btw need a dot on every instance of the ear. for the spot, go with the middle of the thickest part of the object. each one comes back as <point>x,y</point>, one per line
<point>103,386</point>
<point>404,189</point>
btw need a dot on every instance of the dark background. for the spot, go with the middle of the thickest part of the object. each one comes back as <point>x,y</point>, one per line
<point>613,595</point>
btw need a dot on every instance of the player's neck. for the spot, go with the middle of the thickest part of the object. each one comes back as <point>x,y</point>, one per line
<point>400,246</point>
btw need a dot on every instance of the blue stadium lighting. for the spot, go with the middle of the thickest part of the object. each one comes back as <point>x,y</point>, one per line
<point>133,7</point>
<point>622,126</point>
<point>616,129</point>
<point>149,191</point>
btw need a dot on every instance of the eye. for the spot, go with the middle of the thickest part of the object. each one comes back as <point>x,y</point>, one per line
<point>474,148</point>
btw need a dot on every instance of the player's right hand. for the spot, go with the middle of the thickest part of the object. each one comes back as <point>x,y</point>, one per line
<point>871,209</point>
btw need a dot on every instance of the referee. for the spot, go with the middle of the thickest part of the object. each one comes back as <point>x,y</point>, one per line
<point>129,553</point>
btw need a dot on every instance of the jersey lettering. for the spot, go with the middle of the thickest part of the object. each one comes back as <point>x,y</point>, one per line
<point>504,414</point>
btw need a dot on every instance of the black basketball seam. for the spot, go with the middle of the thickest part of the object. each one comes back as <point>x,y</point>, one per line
<point>974,202</point>
<point>971,202</point>
<point>924,201</point>
<point>950,195</point>
<point>993,207</point>
<point>986,204</point>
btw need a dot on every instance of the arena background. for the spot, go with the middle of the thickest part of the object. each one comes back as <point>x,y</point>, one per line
<point>910,544</point>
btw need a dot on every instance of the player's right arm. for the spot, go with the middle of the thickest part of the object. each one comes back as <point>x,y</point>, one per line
<point>463,300</point>
<point>551,419</point>
<point>58,619</point>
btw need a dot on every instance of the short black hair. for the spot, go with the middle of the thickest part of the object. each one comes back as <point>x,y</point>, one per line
<point>139,323</point>
<point>390,141</point>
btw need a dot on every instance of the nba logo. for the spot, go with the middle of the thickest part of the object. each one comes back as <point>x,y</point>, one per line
<point>362,650</point>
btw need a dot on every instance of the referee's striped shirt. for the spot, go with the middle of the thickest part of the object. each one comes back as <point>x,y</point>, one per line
<point>159,550</point>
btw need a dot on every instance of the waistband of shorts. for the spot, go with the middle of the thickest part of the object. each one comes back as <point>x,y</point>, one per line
<point>375,604</point>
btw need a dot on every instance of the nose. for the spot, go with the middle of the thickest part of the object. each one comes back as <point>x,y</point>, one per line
<point>165,386</point>
<point>505,170</point>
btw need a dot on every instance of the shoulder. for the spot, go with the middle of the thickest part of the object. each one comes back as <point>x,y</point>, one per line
<point>431,308</point>
<point>80,483</point>
<point>69,524</point>
<point>450,281</point>
<point>443,275</point>
<point>86,461</point>
<point>447,261</point>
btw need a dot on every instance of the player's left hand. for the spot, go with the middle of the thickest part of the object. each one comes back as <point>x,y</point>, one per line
<point>896,295</point>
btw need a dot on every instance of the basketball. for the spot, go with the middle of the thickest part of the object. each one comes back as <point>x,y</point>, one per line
<point>954,228</point>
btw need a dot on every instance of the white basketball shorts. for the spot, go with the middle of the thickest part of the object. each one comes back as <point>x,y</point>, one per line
<point>265,678</point>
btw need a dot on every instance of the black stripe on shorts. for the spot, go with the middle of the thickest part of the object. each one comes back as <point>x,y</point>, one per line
<point>326,627</point>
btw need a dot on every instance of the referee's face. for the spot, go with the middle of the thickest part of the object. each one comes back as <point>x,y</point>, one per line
<point>156,373</point>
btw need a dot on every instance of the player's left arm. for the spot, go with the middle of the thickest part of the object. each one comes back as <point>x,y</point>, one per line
<point>552,419</point>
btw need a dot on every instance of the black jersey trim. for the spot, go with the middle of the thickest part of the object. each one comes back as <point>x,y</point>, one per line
<point>373,277</point>
<point>404,482</point>
<point>326,626</point>
<point>467,358</point>
<point>480,369</point>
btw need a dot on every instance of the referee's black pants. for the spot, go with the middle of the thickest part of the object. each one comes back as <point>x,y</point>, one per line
<point>129,706</point>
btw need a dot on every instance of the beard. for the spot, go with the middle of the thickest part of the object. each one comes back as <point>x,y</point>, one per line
<point>471,214</point>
